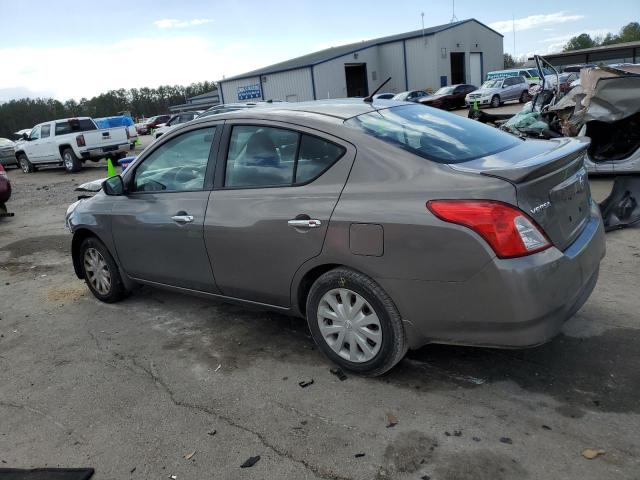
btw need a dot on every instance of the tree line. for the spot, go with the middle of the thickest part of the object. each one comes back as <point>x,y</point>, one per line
<point>27,112</point>
<point>629,33</point>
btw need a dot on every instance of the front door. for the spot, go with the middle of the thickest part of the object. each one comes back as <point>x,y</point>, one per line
<point>271,207</point>
<point>158,225</point>
<point>32,146</point>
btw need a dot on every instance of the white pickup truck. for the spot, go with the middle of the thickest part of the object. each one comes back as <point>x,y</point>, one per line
<point>70,142</point>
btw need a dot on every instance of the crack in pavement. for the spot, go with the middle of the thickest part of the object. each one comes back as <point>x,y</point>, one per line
<point>317,471</point>
<point>68,430</point>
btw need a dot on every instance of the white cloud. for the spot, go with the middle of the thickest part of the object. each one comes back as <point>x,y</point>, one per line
<point>556,43</point>
<point>172,59</point>
<point>175,23</point>
<point>534,21</point>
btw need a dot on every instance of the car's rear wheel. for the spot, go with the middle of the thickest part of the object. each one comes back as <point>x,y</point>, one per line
<point>524,97</point>
<point>25,165</point>
<point>355,323</point>
<point>495,101</point>
<point>101,273</point>
<point>71,163</point>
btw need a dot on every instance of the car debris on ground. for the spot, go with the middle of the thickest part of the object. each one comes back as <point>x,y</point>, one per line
<point>250,462</point>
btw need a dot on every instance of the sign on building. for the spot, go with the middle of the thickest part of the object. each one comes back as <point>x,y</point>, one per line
<point>249,91</point>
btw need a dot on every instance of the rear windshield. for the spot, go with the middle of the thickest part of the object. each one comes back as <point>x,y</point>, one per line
<point>433,134</point>
<point>75,125</point>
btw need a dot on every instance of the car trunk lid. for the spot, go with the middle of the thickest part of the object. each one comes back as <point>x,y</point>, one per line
<point>550,181</point>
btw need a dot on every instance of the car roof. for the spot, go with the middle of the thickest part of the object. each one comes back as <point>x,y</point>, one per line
<point>343,108</point>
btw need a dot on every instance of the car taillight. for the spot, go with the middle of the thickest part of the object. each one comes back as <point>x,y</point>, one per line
<point>3,173</point>
<point>80,141</point>
<point>509,231</point>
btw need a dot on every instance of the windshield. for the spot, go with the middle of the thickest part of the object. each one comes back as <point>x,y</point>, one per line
<point>445,91</point>
<point>439,136</point>
<point>492,83</point>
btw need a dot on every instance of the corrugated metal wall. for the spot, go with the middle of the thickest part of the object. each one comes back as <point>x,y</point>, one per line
<point>427,60</point>
<point>291,86</point>
<point>391,61</point>
<point>467,38</point>
<point>330,76</point>
<point>230,89</point>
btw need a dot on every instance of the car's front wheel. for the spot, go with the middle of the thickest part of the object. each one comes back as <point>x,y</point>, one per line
<point>101,273</point>
<point>495,101</point>
<point>25,165</point>
<point>355,323</point>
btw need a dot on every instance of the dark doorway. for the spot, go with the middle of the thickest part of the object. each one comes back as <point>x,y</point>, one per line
<point>356,75</point>
<point>457,68</point>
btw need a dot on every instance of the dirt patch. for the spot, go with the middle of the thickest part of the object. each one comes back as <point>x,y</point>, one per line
<point>409,452</point>
<point>66,294</point>
<point>479,465</point>
<point>29,246</point>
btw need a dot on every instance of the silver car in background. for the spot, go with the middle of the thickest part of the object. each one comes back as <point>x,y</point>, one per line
<point>497,91</point>
<point>387,225</point>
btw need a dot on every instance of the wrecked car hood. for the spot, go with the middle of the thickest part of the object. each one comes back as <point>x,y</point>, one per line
<point>92,186</point>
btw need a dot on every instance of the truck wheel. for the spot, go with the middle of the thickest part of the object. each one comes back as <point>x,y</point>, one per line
<point>71,163</point>
<point>495,101</point>
<point>25,164</point>
<point>355,323</point>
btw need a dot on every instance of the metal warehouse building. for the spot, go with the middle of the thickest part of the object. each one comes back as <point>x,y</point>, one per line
<point>459,52</point>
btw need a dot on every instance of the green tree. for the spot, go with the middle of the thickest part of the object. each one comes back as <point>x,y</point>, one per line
<point>509,61</point>
<point>629,33</point>
<point>579,42</point>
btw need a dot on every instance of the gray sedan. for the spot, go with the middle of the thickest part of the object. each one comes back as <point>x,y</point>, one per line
<point>386,225</point>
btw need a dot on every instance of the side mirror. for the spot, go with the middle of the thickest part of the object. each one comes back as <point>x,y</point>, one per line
<point>113,186</point>
<point>25,136</point>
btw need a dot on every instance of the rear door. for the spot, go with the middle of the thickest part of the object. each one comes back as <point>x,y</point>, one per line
<point>47,144</point>
<point>276,188</point>
<point>158,225</point>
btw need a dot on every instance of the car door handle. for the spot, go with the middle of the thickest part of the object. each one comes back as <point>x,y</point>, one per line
<point>304,223</point>
<point>182,218</point>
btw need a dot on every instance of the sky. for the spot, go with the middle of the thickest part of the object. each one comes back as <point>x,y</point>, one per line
<point>69,49</point>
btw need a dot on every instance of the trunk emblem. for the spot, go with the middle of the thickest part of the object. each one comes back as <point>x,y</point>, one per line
<point>539,208</point>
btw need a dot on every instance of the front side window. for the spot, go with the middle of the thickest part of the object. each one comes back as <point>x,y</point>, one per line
<point>178,165</point>
<point>35,134</point>
<point>271,157</point>
<point>438,136</point>
<point>45,131</point>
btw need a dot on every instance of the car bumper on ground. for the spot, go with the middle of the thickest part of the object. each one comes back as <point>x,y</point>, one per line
<point>510,303</point>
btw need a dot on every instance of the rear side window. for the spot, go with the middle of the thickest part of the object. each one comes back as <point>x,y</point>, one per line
<point>433,134</point>
<point>268,157</point>
<point>45,131</point>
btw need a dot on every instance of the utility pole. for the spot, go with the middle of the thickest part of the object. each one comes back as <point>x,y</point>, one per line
<point>422,15</point>
<point>513,23</point>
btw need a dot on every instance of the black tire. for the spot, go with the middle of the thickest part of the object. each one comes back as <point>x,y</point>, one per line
<point>394,343</point>
<point>116,290</point>
<point>495,101</point>
<point>71,163</point>
<point>524,97</point>
<point>25,165</point>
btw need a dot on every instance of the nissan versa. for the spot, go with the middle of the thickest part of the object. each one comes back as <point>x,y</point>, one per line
<point>388,225</point>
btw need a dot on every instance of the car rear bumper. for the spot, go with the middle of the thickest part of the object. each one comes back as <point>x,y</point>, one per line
<point>511,303</point>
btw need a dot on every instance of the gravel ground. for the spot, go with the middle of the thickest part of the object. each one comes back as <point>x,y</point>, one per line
<point>132,389</point>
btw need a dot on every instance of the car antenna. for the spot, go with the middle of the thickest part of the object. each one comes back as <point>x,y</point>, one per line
<point>369,99</point>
